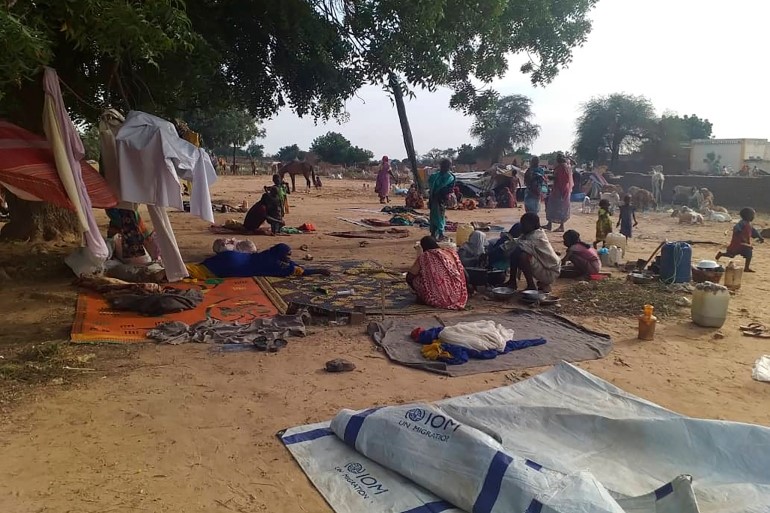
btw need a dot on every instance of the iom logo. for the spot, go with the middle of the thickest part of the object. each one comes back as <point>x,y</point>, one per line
<point>415,414</point>
<point>354,468</point>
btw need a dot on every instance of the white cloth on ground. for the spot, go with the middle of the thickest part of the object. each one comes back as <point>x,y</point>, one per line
<point>478,335</point>
<point>68,151</point>
<point>153,158</point>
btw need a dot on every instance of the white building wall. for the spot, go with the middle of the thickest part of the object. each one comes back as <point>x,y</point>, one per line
<point>730,151</point>
<point>755,148</point>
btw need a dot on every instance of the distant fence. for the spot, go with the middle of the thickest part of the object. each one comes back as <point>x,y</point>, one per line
<point>729,191</point>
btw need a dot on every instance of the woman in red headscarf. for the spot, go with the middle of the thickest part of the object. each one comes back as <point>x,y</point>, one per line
<point>383,181</point>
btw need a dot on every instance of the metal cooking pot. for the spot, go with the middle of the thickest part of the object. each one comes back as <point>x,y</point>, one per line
<point>496,278</point>
<point>477,276</point>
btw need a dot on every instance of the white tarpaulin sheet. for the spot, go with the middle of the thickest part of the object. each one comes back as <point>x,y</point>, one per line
<point>561,442</point>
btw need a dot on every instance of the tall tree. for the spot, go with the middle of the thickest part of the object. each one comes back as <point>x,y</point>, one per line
<point>334,148</point>
<point>433,156</point>
<point>256,151</point>
<point>617,123</point>
<point>167,56</point>
<point>233,128</point>
<point>504,125</point>
<point>290,153</point>
<point>669,138</point>
<point>467,154</point>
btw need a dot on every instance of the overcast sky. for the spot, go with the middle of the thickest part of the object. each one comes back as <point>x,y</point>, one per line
<point>704,57</point>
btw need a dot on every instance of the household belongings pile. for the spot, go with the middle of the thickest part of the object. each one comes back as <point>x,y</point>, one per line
<point>562,442</point>
<point>143,159</point>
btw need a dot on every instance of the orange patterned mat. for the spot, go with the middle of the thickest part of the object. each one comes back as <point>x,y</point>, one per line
<point>231,299</point>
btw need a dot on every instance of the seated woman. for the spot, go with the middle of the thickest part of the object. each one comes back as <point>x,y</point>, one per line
<point>583,256</point>
<point>414,199</point>
<point>534,256</point>
<point>500,251</point>
<point>275,261</point>
<point>133,243</point>
<point>269,208</point>
<point>474,252</point>
<point>438,277</point>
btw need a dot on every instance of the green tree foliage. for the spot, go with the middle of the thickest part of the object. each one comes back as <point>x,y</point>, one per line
<point>90,138</point>
<point>230,127</point>
<point>619,122</point>
<point>467,154</point>
<point>256,151</point>
<point>669,137</point>
<point>290,153</point>
<point>505,125</point>
<point>175,56</point>
<point>334,148</point>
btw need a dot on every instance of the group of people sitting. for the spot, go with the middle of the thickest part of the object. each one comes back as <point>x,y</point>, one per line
<point>271,208</point>
<point>439,279</point>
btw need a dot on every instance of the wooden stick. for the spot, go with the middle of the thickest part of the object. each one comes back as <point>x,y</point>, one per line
<point>653,254</point>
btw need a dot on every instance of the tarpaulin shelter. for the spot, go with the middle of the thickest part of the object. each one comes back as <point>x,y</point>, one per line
<point>28,170</point>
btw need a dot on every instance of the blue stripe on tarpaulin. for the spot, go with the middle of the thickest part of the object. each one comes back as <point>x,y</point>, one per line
<point>532,464</point>
<point>534,507</point>
<point>354,426</point>
<point>306,436</point>
<point>666,489</point>
<point>492,483</point>
<point>431,507</point>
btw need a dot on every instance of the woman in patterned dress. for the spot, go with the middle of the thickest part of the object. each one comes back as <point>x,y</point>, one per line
<point>438,277</point>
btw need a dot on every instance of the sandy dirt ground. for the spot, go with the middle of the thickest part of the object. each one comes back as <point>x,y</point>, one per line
<point>180,429</point>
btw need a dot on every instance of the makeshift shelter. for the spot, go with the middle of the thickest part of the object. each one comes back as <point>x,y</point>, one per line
<point>151,160</point>
<point>28,170</point>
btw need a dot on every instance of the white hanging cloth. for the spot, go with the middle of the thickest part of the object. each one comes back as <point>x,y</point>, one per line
<point>153,158</point>
<point>68,151</point>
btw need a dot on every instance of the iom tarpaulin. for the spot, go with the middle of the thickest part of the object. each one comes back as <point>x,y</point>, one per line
<point>562,442</point>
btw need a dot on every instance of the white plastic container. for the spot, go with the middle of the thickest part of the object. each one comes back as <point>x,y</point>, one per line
<point>615,255</point>
<point>709,305</point>
<point>616,239</point>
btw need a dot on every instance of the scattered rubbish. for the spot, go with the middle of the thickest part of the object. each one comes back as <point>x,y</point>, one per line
<point>339,365</point>
<point>85,358</point>
<point>718,335</point>
<point>304,247</point>
<point>683,301</point>
<point>363,243</point>
<point>57,381</point>
<point>761,370</point>
<point>308,257</point>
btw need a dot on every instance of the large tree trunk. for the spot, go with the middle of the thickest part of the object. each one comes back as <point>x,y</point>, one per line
<point>398,97</point>
<point>33,220</point>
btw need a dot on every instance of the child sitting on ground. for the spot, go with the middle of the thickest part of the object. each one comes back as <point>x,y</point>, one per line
<point>604,223</point>
<point>627,217</point>
<point>583,256</point>
<point>740,244</point>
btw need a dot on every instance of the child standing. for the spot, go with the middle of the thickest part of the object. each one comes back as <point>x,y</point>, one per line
<point>604,223</point>
<point>740,244</point>
<point>627,217</point>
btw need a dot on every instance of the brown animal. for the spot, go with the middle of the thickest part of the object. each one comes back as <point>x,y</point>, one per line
<point>643,199</point>
<point>295,168</point>
<point>708,198</point>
